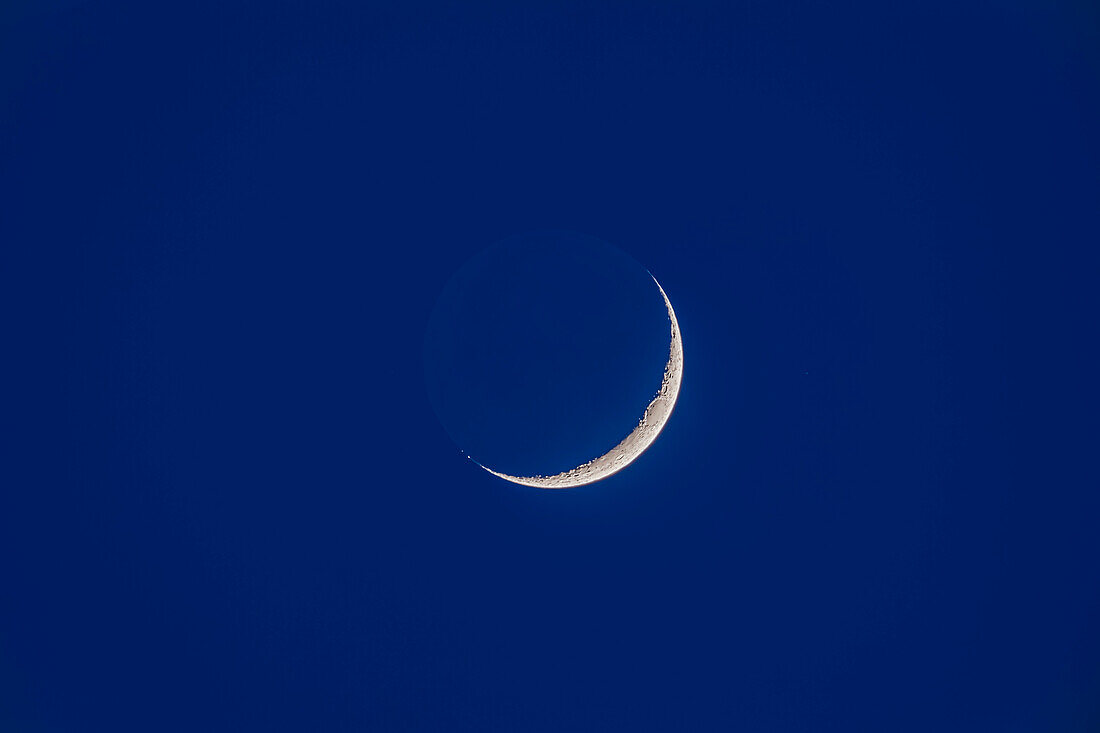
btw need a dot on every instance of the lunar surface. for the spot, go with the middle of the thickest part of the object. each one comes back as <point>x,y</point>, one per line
<point>648,428</point>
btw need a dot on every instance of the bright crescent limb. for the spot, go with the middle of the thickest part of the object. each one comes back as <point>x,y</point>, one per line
<point>633,445</point>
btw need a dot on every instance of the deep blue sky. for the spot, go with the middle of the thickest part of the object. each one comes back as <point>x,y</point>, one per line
<point>874,509</point>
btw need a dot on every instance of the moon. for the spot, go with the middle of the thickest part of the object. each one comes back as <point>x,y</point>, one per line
<point>627,451</point>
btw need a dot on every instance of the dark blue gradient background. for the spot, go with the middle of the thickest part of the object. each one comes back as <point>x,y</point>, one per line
<point>227,505</point>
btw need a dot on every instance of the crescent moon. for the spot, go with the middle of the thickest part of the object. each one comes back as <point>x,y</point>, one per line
<point>648,428</point>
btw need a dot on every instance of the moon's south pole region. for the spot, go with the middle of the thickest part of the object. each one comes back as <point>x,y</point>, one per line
<point>633,445</point>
